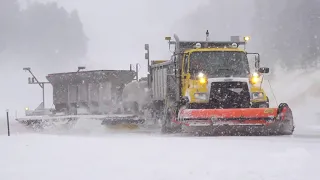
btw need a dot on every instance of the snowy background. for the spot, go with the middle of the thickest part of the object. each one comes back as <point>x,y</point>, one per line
<point>111,35</point>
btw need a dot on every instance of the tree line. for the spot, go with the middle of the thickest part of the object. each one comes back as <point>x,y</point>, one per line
<point>44,31</point>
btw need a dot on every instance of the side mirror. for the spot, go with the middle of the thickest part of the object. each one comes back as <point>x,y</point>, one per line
<point>263,70</point>
<point>146,47</point>
<point>257,61</point>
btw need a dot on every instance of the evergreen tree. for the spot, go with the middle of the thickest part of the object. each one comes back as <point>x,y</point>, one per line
<point>9,22</point>
<point>43,32</point>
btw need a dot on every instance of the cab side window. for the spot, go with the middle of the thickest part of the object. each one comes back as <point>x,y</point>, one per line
<point>185,63</point>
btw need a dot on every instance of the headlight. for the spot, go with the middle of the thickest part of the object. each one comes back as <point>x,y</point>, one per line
<point>202,78</point>
<point>255,78</point>
<point>257,95</point>
<point>200,96</point>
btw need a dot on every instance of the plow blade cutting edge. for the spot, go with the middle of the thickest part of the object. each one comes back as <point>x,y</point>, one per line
<point>251,120</point>
<point>124,121</point>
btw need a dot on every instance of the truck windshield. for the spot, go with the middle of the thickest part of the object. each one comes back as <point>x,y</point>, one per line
<point>220,63</point>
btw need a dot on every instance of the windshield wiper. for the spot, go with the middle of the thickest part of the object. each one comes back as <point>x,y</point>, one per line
<point>224,69</point>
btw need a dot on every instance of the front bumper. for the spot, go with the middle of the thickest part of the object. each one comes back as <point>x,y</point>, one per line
<point>260,104</point>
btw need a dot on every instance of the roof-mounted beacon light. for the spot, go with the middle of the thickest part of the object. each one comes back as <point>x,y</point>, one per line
<point>168,38</point>
<point>246,38</point>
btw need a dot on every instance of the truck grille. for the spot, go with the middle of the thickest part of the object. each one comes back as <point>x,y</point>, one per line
<point>229,95</point>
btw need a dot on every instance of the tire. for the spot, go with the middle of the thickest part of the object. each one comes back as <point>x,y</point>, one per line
<point>166,125</point>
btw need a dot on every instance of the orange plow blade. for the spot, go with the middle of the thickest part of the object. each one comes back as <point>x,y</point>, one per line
<point>278,120</point>
<point>229,116</point>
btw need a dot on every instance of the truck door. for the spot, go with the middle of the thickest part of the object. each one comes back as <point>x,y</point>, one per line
<point>185,74</point>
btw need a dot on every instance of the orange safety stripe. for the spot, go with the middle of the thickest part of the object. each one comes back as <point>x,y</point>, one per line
<point>228,113</point>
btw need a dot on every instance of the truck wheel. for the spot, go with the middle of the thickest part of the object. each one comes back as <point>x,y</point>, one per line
<point>165,126</point>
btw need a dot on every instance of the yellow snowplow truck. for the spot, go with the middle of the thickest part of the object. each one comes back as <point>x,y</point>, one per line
<point>206,87</point>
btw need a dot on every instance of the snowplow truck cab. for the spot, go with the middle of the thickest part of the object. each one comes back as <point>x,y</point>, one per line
<point>216,76</point>
<point>206,86</point>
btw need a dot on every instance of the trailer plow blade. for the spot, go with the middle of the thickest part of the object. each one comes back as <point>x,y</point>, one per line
<point>68,121</point>
<point>48,121</point>
<point>248,121</point>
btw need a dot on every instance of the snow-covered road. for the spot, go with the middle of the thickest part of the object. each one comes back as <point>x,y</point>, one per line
<point>145,157</point>
<point>98,154</point>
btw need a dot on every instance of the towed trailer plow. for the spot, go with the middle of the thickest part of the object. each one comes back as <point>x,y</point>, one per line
<point>86,95</point>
